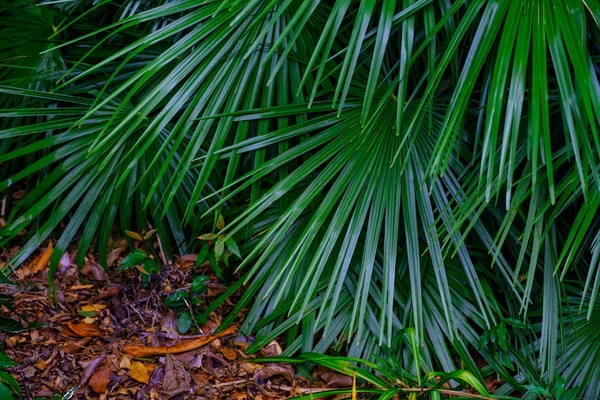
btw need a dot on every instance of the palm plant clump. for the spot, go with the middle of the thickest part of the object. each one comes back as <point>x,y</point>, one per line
<point>415,180</point>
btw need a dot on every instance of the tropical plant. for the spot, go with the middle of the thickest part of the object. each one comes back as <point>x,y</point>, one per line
<point>386,165</point>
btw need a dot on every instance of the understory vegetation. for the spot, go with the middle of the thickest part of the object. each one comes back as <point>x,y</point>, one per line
<point>414,183</point>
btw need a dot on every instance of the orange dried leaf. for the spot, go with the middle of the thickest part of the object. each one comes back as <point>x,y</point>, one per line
<point>229,354</point>
<point>44,259</point>
<point>86,330</point>
<point>81,287</point>
<point>149,351</point>
<point>138,371</point>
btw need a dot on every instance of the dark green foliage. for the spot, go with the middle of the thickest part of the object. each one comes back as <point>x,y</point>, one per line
<point>9,387</point>
<point>185,302</point>
<point>415,175</point>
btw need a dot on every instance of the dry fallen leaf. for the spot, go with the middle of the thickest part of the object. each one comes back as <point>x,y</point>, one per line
<point>187,261</point>
<point>272,349</point>
<point>101,378</point>
<point>334,379</point>
<point>98,272</point>
<point>44,259</point>
<point>81,287</point>
<point>229,354</point>
<point>138,371</point>
<point>90,367</point>
<point>125,363</point>
<point>275,369</point>
<point>74,348</point>
<point>113,256</point>
<point>94,307</point>
<point>85,330</point>
<point>149,351</point>
<point>177,380</point>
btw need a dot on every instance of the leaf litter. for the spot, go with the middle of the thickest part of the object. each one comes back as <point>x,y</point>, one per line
<point>106,336</point>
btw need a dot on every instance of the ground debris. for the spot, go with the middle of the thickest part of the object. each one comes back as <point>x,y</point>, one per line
<point>105,336</point>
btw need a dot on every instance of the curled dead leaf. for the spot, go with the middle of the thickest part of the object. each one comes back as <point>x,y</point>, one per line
<point>149,351</point>
<point>83,330</point>
<point>177,379</point>
<point>332,378</point>
<point>275,369</point>
<point>272,349</point>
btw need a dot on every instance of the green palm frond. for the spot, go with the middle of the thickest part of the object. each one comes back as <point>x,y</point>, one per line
<point>412,175</point>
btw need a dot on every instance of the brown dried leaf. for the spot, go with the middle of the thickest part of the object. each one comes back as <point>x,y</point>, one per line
<point>275,369</point>
<point>114,255</point>
<point>138,371</point>
<point>101,378</point>
<point>149,351</point>
<point>177,380</point>
<point>98,272</point>
<point>74,348</point>
<point>334,379</point>
<point>187,261</point>
<point>272,349</point>
<point>90,368</point>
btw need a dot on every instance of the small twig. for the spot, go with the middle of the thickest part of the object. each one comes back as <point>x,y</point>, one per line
<point>232,383</point>
<point>189,307</point>
<point>160,248</point>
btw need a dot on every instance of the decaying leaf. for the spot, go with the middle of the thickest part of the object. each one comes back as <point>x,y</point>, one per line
<point>98,272</point>
<point>332,378</point>
<point>149,351</point>
<point>138,371</point>
<point>275,369</point>
<point>44,259</point>
<point>113,256</point>
<point>177,380</point>
<point>101,378</point>
<point>84,330</point>
<point>125,363</point>
<point>90,368</point>
<point>76,347</point>
<point>229,354</point>
<point>272,349</point>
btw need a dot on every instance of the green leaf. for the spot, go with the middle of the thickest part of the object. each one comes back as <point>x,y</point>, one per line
<point>184,322</point>
<point>7,378</point>
<point>199,284</point>
<point>11,325</point>
<point>134,258</point>
<point>233,247</point>
<point>6,392</point>
<point>176,299</point>
<point>6,361</point>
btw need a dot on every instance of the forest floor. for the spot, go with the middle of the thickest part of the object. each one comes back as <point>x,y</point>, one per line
<point>108,337</point>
